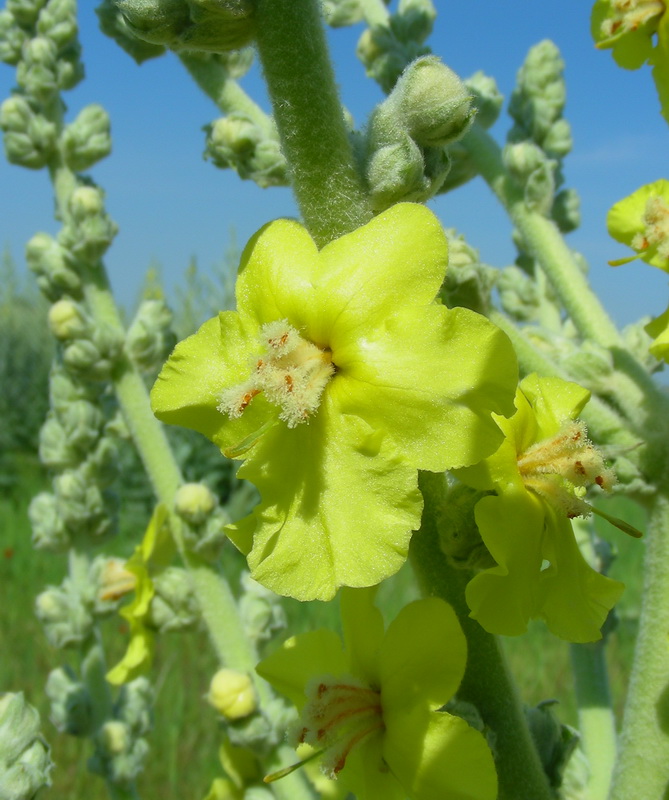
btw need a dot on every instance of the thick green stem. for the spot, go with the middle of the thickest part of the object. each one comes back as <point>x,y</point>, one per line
<point>212,77</point>
<point>487,683</point>
<point>597,724</point>
<point>309,117</point>
<point>643,763</point>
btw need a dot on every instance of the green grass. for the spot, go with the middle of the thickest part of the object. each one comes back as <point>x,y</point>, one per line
<point>184,742</point>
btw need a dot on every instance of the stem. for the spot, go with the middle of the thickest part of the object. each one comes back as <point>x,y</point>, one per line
<point>487,683</point>
<point>212,77</point>
<point>597,724</point>
<point>544,242</point>
<point>309,118</point>
<point>643,764</point>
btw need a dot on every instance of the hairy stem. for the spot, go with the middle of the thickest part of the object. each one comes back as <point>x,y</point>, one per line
<point>642,769</point>
<point>597,724</point>
<point>309,118</point>
<point>487,683</point>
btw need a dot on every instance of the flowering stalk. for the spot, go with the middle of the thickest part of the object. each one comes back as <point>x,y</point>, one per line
<point>309,117</point>
<point>643,762</point>
<point>487,683</point>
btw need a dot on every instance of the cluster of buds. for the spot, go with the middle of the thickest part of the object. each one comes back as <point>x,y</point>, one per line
<point>150,337</point>
<point>405,144</point>
<point>386,50</point>
<point>203,519</point>
<point>25,762</point>
<point>468,282</point>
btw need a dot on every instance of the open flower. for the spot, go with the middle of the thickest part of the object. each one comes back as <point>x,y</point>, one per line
<point>370,708</point>
<point>337,378</point>
<point>540,474</point>
<point>641,221</point>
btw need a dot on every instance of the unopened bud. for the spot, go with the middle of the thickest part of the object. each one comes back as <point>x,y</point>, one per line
<point>29,138</point>
<point>67,320</point>
<point>232,694</point>
<point>87,140</point>
<point>25,12</point>
<point>395,173</point>
<point>12,38</point>
<point>58,21</point>
<point>37,70</point>
<point>194,502</point>
<point>25,763</point>
<point>71,706</point>
<point>434,102</point>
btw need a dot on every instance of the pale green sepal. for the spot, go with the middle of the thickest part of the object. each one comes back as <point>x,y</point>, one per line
<point>417,376</point>
<point>363,631</point>
<point>188,389</point>
<point>436,755</point>
<point>422,657</point>
<point>290,668</point>
<point>504,598</point>
<point>343,512</point>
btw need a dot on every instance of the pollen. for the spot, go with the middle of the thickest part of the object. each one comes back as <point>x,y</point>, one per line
<point>563,467</point>
<point>339,715</point>
<point>630,15</point>
<point>656,231</point>
<point>290,371</point>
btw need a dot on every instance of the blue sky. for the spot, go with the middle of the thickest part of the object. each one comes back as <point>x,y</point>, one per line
<point>170,204</point>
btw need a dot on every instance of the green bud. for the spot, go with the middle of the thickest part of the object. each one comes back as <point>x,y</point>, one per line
<point>150,338</point>
<point>86,140</point>
<point>64,615</point>
<point>64,389</point>
<point>540,188</point>
<point>592,365</point>
<point>25,12</point>
<point>25,762</point>
<point>71,706</point>
<point>119,754</point>
<point>55,451</point>
<point>134,705</point>
<point>395,173</point>
<point>81,504</point>
<point>340,13</point>
<point>232,694</point>
<point>12,38</point>
<point>458,533</point>
<point>58,21</point>
<point>212,26</point>
<point>37,70</point>
<point>30,138</point>
<point>558,141</point>
<point>70,69</point>
<point>113,24</point>
<point>49,531</point>
<point>528,164</point>
<point>260,610</point>
<point>468,283</point>
<point>90,230</point>
<point>194,502</point>
<point>518,294</point>
<point>173,606</point>
<point>433,102</point>
<point>555,742</point>
<point>67,320</point>
<point>566,211</point>
<point>52,265</point>
<point>385,55</point>
<point>94,358</point>
<point>104,461</point>
<point>414,20</point>
<point>487,98</point>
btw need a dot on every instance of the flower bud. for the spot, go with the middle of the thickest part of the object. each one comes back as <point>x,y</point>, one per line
<point>86,201</point>
<point>90,230</point>
<point>395,173</point>
<point>232,694</point>
<point>199,25</point>
<point>468,283</point>
<point>558,142</point>
<point>173,605</point>
<point>260,610</point>
<point>49,531</point>
<point>69,69</point>
<point>29,138</point>
<point>487,98</point>
<point>134,705</point>
<point>54,449</point>
<point>459,535</point>
<point>25,12</point>
<point>36,72</point>
<point>67,320</point>
<point>12,38</point>
<point>414,20</point>
<point>119,753</point>
<point>86,140</point>
<point>71,706</point>
<point>194,502</point>
<point>64,615</point>
<point>566,210</point>
<point>150,338</point>
<point>58,21</point>
<point>434,103</point>
<point>25,762</point>
<point>50,262</point>
<point>340,13</point>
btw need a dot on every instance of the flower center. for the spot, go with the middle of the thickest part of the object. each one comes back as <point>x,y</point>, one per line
<point>630,15</point>
<point>290,371</point>
<point>656,232</point>
<point>340,713</point>
<point>561,468</point>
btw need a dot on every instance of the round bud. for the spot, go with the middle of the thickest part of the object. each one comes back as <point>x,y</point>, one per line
<point>194,502</point>
<point>231,693</point>
<point>66,320</point>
